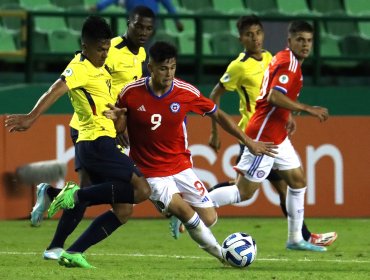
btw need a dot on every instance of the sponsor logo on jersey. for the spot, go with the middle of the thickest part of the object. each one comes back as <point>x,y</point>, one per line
<point>175,107</point>
<point>283,79</point>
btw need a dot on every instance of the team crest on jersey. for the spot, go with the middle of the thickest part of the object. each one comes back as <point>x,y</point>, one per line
<point>68,72</point>
<point>260,174</point>
<point>175,107</point>
<point>225,78</point>
<point>283,79</point>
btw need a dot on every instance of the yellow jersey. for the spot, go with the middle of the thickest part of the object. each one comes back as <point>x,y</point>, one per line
<point>89,92</point>
<point>245,75</point>
<point>124,67</point>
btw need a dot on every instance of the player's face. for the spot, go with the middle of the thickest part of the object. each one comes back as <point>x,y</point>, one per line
<point>162,73</point>
<point>301,44</point>
<point>96,52</point>
<point>252,38</point>
<point>140,29</point>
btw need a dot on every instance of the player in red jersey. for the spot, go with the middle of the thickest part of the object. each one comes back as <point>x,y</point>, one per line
<point>156,109</point>
<point>280,89</point>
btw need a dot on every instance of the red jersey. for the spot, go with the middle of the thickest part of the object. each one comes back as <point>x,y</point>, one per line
<point>157,125</point>
<point>269,122</point>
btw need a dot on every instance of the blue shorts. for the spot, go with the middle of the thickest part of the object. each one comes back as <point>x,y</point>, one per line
<point>104,161</point>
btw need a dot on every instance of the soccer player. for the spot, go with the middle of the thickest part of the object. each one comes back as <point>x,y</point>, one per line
<point>124,63</point>
<point>244,75</point>
<point>281,85</point>
<point>155,112</point>
<point>117,181</point>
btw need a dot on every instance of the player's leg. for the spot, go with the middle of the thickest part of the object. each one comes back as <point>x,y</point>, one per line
<point>197,230</point>
<point>195,193</point>
<point>67,222</point>
<point>132,187</point>
<point>167,196</point>
<point>281,187</point>
<point>46,193</point>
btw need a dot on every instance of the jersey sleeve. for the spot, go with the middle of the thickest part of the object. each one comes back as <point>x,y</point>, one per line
<point>231,77</point>
<point>203,106</point>
<point>75,75</point>
<point>282,79</point>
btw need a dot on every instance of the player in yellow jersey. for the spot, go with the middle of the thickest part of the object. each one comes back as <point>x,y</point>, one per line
<point>244,75</point>
<point>116,180</point>
<point>124,63</point>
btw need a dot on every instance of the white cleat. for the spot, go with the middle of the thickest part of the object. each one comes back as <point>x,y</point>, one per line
<point>53,254</point>
<point>41,205</point>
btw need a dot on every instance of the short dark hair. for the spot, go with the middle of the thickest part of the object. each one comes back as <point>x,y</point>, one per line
<point>299,26</point>
<point>95,29</point>
<point>246,21</point>
<point>142,11</point>
<point>161,51</point>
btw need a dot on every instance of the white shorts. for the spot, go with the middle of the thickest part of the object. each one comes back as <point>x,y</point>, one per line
<point>186,183</point>
<point>257,168</point>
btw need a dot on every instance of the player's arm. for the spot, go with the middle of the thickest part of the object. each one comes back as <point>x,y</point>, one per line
<point>277,98</point>
<point>22,122</point>
<point>256,148</point>
<point>215,96</point>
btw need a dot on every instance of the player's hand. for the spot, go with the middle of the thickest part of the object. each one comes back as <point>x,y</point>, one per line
<point>123,140</point>
<point>263,148</point>
<point>214,142</point>
<point>320,112</point>
<point>291,126</point>
<point>114,112</point>
<point>18,122</point>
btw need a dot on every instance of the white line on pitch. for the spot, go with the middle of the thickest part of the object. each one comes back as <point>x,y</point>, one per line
<point>194,257</point>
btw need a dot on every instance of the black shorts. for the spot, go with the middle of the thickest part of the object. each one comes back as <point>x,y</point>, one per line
<point>74,135</point>
<point>104,161</point>
<point>273,175</point>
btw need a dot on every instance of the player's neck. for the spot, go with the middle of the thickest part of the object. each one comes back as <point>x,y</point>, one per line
<point>130,45</point>
<point>255,55</point>
<point>157,89</point>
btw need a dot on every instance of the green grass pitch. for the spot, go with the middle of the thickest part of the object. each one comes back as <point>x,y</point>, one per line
<point>144,249</point>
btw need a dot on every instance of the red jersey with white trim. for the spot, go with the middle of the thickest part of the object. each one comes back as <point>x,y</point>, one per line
<point>269,122</point>
<point>157,125</point>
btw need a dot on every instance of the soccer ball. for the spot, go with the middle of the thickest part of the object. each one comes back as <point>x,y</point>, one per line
<point>239,249</point>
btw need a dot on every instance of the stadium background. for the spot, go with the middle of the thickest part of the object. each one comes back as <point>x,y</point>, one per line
<point>37,38</point>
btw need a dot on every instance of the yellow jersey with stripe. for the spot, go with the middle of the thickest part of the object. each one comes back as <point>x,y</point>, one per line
<point>124,67</point>
<point>89,92</point>
<point>244,75</point>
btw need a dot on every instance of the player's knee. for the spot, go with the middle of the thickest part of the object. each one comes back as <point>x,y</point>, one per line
<point>246,194</point>
<point>211,221</point>
<point>142,192</point>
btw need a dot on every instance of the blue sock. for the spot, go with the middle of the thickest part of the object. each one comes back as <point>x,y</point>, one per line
<point>99,229</point>
<point>107,193</point>
<point>67,224</point>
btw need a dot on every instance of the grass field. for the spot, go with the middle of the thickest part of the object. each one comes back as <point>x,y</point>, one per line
<point>144,249</point>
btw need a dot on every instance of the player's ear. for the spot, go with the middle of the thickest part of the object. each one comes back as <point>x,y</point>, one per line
<point>83,46</point>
